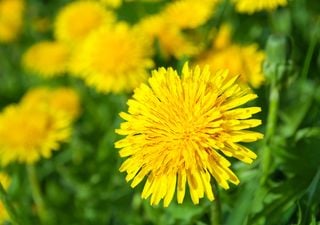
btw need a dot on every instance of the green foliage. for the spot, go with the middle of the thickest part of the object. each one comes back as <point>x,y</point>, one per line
<point>81,184</point>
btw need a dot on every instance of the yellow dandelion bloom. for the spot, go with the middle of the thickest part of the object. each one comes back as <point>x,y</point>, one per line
<point>252,6</point>
<point>172,41</point>
<point>29,132</point>
<point>188,13</point>
<point>47,58</point>
<point>11,19</point>
<point>78,19</point>
<point>177,130</point>
<point>5,181</point>
<point>245,61</point>
<point>63,99</point>
<point>114,59</point>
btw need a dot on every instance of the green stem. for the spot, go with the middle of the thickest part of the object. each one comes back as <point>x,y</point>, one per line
<point>312,45</point>
<point>8,206</point>
<point>270,129</point>
<point>37,195</point>
<point>307,61</point>
<point>216,212</point>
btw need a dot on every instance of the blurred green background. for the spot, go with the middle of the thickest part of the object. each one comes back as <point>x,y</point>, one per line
<point>81,184</point>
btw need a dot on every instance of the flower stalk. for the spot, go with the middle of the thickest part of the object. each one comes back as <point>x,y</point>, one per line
<point>270,129</point>
<point>276,67</point>
<point>37,195</point>
<point>215,208</point>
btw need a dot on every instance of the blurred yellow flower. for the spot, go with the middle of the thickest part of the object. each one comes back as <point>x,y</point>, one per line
<point>189,13</point>
<point>5,181</point>
<point>29,132</point>
<point>245,61</point>
<point>78,19</point>
<point>171,40</point>
<point>47,58</point>
<point>252,6</point>
<point>178,128</point>
<point>114,59</point>
<point>63,99</point>
<point>11,19</point>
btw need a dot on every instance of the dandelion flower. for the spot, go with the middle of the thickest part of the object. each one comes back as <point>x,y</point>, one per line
<point>5,182</point>
<point>178,129</point>
<point>172,41</point>
<point>252,6</point>
<point>188,13</point>
<point>63,99</point>
<point>78,19</point>
<point>114,59</point>
<point>246,60</point>
<point>29,132</point>
<point>47,58</point>
<point>11,14</point>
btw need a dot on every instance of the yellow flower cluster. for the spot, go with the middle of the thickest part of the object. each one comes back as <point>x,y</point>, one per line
<point>178,129</point>
<point>167,26</point>
<point>37,125</point>
<point>11,19</point>
<point>252,6</point>
<point>171,40</point>
<point>245,61</point>
<point>108,55</point>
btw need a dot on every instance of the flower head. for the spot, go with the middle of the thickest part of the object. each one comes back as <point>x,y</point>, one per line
<point>114,59</point>
<point>188,13</point>
<point>246,62</point>
<point>246,59</point>
<point>47,58</point>
<point>172,41</point>
<point>78,19</point>
<point>178,129</point>
<point>11,13</point>
<point>29,132</point>
<point>252,6</point>
<point>63,100</point>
